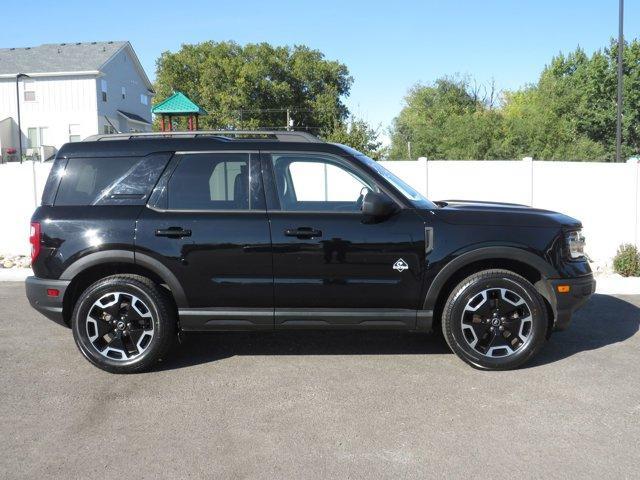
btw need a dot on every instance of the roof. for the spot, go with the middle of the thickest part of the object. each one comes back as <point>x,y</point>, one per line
<point>58,57</point>
<point>90,148</point>
<point>133,117</point>
<point>65,58</point>
<point>226,135</point>
<point>178,104</point>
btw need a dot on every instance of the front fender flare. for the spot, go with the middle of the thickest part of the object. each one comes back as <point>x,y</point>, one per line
<point>484,253</point>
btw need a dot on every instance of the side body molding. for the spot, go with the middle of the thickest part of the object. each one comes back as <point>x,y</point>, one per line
<point>484,253</point>
<point>125,256</point>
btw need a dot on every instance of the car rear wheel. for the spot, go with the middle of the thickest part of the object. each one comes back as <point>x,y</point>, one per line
<point>495,320</point>
<point>124,323</point>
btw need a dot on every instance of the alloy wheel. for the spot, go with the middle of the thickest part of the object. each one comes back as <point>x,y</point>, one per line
<point>497,322</point>
<point>120,326</point>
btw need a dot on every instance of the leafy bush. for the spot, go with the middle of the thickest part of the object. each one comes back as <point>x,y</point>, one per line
<point>627,261</point>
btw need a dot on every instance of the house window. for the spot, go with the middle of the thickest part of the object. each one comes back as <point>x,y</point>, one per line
<point>124,93</point>
<point>29,91</point>
<point>37,136</point>
<point>74,132</point>
<point>103,84</point>
<point>144,99</point>
<point>32,134</point>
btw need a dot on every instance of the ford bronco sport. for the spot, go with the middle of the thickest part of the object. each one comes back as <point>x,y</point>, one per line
<point>142,236</point>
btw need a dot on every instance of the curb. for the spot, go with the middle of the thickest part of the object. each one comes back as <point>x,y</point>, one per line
<point>14,274</point>
<point>617,285</point>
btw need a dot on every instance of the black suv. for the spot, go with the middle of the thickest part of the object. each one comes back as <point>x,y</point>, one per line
<point>142,236</point>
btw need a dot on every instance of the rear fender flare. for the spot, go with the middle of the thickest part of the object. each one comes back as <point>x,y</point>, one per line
<point>125,256</point>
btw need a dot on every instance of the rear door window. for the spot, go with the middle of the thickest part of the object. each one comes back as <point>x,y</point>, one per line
<point>210,181</point>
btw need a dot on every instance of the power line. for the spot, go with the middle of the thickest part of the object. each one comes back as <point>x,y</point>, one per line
<point>277,110</point>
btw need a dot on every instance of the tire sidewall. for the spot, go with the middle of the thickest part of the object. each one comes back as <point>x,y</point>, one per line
<point>470,288</point>
<point>86,301</point>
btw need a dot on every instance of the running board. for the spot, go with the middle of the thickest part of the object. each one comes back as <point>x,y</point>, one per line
<point>226,319</point>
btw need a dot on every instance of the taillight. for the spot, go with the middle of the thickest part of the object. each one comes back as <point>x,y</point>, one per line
<point>34,240</point>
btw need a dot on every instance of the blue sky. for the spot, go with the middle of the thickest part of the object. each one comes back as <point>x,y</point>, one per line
<point>387,45</point>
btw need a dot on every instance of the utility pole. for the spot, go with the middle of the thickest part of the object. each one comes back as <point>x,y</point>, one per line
<point>18,77</point>
<point>409,149</point>
<point>620,72</point>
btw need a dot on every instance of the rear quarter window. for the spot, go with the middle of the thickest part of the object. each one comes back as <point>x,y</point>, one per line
<point>109,180</point>
<point>53,180</point>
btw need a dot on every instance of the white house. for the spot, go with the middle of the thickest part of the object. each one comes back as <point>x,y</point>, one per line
<point>68,91</point>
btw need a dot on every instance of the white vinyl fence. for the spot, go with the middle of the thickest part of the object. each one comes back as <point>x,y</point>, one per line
<point>604,196</point>
<point>21,188</point>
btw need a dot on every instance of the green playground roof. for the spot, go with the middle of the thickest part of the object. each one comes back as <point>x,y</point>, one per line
<point>178,104</point>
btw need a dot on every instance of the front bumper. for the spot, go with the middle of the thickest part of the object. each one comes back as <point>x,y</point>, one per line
<point>564,304</point>
<point>50,307</point>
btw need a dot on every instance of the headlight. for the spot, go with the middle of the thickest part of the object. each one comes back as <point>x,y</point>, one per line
<point>575,244</point>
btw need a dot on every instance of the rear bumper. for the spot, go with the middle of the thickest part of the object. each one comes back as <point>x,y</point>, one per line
<point>50,307</point>
<point>565,304</point>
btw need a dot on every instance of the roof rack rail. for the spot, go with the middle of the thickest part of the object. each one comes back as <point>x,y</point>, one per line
<point>280,135</point>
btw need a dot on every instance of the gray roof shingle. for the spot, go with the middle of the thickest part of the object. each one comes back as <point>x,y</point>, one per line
<point>134,117</point>
<point>57,57</point>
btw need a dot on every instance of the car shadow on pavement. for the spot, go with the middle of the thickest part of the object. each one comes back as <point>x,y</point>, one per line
<point>603,321</point>
<point>201,348</point>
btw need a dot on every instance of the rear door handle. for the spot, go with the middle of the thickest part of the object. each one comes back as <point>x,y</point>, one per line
<point>303,232</point>
<point>173,232</point>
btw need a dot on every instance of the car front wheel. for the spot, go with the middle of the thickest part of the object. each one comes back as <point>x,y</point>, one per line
<point>495,320</point>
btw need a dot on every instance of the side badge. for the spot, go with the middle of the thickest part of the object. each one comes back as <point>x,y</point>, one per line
<point>400,265</point>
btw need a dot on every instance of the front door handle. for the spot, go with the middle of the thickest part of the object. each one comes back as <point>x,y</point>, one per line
<point>173,232</point>
<point>303,232</point>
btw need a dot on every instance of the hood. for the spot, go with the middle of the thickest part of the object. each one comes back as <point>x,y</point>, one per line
<point>462,212</point>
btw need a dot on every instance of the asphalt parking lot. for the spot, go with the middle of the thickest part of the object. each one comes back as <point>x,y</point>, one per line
<point>321,405</point>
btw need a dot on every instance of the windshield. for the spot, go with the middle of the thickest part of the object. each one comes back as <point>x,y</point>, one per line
<point>415,197</point>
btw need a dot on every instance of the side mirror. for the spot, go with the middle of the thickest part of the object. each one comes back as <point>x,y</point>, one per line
<point>378,205</point>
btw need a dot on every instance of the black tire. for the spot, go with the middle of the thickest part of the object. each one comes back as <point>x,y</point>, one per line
<point>161,322</point>
<point>483,288</point>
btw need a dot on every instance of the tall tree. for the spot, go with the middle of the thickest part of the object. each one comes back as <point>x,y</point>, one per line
<point>452,118</point>
<point>568,114</point>
<point>252,86</point>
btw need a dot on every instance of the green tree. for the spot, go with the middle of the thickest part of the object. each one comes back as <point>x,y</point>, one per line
<point>541,122</point>
<point>568,114</point>
<point>571,112</point>
<point>359,135</point>
<point>449,119</point>
<point>251,86</point>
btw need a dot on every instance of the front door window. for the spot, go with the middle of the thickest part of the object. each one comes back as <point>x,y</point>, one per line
<point>318,183</point>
